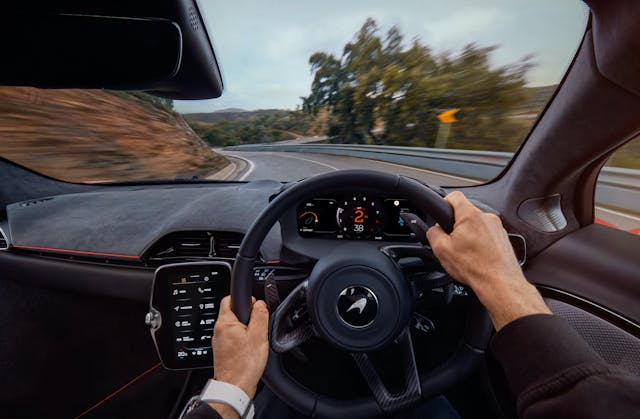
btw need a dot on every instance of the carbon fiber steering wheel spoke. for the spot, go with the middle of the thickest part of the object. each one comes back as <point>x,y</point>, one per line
<point>398,357</point>
<point>290,325</point>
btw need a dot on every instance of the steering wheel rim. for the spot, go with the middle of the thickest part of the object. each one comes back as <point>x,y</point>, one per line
<point>464,359</point>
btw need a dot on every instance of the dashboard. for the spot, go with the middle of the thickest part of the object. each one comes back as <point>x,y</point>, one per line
<point>356,217</point>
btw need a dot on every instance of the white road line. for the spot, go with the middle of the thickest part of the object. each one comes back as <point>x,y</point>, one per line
<point>308,160</point>
<point>618,213</point>
<point>249,162</point>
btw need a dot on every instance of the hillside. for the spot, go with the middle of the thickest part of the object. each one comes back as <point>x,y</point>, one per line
<point>231,114</point>
<point>96,135</point>
<point>237,126</point>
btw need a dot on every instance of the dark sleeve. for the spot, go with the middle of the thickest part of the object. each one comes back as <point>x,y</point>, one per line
<point>202,410</point>
<point>555,374</point>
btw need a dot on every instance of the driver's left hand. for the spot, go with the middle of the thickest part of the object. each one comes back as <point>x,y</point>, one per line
<point>240,351</point>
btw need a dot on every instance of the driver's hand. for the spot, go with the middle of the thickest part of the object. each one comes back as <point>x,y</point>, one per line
<point>478,253</point>
<point>240,351</point>
<point>478,250</point>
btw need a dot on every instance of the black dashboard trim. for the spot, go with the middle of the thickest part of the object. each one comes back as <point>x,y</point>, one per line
<point>127,283</point>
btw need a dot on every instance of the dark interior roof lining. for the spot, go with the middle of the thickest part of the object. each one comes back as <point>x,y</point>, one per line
<point>617,53</point>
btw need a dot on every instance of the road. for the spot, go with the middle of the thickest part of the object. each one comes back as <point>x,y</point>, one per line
<point>288,167</point>
<point>295,166</point>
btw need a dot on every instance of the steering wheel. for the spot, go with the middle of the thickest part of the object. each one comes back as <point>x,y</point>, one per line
<point>358,300</point>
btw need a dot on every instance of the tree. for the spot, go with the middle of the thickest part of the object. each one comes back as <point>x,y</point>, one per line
<point>383,92</point>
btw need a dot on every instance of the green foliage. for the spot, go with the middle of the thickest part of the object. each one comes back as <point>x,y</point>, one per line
<point>252,127</point>
<point>381,91</point>
<point>627,156</point>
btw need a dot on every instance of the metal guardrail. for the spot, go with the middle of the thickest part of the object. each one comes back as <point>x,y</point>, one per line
<point>616,187</point>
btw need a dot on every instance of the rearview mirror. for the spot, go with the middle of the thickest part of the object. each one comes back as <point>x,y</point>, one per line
<point>81,51</point>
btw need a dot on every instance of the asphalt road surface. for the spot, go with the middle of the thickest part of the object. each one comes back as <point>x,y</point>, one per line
<point>289,167</point>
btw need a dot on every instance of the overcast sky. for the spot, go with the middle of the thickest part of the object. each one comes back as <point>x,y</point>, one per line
<point>263,46</point>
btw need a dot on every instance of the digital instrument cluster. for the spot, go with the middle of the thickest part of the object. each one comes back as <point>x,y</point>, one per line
<point>355,217</point>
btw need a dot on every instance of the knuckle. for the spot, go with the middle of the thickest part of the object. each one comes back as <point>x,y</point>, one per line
<point>455,194</point>
<point>493,216</point>
<point>494,219</point>
<point>219,327</point>
<point>261,313</point>
<point>438,248</point>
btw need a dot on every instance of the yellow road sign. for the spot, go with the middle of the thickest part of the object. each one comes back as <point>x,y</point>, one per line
<point>447,116</point>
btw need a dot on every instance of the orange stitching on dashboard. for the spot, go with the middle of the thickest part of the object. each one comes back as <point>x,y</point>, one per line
<point>118,391</point>
<point>78,252</point>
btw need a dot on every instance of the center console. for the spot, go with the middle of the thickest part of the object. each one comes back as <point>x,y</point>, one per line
<point>185,302</point>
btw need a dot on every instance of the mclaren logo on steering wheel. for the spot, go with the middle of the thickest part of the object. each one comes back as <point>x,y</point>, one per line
<point>357,306</point>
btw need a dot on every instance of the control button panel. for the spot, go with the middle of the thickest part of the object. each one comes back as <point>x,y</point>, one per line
<point>261,273</point>
<point>188,296</point>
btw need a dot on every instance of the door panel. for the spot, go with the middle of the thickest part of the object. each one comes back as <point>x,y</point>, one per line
<point>598,264</point>
<point>62,352</point>
<point>615,345</point>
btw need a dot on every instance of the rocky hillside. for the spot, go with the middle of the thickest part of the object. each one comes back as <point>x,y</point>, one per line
<point>96,135</point>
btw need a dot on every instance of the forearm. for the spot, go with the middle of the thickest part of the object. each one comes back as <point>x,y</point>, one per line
<point>550,368</point>
<point>508,299</point>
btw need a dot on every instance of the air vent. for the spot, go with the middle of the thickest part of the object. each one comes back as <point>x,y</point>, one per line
<point>4,242</point>
<point>197,245</point>
<point>227,244</point>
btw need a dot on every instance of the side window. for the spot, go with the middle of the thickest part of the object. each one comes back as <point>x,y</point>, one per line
<point>618,190</point>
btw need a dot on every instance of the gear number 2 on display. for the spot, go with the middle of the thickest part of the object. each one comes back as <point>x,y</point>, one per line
<point>359,217</point>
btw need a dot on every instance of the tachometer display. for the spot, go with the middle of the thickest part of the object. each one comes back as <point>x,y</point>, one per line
<point>360,217</point>
<point>308,220</point>
<point>317,217</point>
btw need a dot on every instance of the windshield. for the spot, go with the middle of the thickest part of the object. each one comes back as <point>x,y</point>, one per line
<point>423,88</point>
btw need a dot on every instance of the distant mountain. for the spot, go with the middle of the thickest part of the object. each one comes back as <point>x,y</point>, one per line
<point>231,110</point>
<point>230,114</point>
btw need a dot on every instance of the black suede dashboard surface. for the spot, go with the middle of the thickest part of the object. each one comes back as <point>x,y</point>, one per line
<point>126,221</point>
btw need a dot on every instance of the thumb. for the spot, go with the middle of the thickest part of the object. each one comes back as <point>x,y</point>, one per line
<point>438,238</point>
<point>259,321</point>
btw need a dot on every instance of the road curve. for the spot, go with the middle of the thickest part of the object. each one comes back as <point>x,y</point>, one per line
<point>288,166</point>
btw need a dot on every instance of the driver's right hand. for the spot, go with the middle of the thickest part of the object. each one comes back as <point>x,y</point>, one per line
<point>478,253</point>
